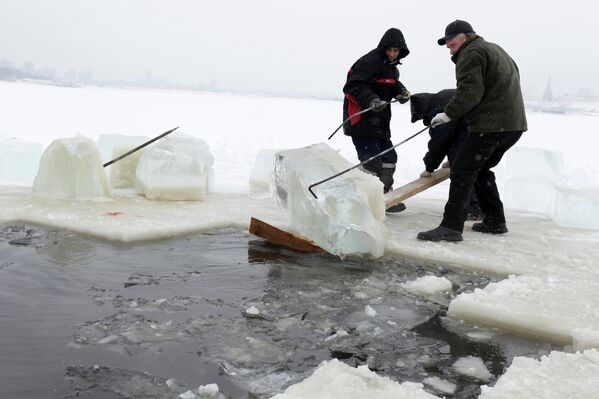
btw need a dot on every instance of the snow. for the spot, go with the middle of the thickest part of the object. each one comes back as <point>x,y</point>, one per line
<point>473,367</point>
<point>334,379</point>
<point>551,377</point>
<point>427,285</point>
<point>553,264</point>
<point>71,168</point>
<point>346,218</point>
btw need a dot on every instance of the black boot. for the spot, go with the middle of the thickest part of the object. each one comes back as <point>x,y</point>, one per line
<point>440,234</point>
<point>482,227</point>
<point>396,208</point>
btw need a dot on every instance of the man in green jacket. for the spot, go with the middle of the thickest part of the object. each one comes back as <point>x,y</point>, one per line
<point>489,97</point>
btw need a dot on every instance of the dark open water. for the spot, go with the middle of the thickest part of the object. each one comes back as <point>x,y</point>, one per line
<point>87,318</point>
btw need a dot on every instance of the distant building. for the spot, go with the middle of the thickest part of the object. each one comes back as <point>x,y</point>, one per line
<point>548,94</point>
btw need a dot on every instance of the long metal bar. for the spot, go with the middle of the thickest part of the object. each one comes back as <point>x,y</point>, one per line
<point>139,147</point>
<point>364,162</point>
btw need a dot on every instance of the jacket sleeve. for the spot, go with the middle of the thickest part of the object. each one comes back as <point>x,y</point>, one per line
<point>470,73</point>
<point>399,88</point>
<point>358,83</point>
<point>441,140</point>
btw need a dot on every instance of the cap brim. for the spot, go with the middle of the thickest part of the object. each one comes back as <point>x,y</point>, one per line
<point>444,39</point>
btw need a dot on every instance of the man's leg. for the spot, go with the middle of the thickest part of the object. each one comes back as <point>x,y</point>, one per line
<point>472,156</point>
<point>367,147</point>
<point>389,160</point>
<point>486,188</point>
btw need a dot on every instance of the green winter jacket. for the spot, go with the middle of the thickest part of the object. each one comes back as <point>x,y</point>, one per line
<point>488,89</point>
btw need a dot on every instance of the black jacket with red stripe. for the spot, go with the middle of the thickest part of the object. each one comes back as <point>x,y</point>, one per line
<point>373,76</point>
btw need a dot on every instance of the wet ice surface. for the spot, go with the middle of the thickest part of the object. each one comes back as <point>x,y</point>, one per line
<point>83,317</point>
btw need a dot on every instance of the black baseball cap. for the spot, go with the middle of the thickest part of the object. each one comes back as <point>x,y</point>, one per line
<point>455,28</point>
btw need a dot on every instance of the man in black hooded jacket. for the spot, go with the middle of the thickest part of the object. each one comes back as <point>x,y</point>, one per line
<point>373,81</point>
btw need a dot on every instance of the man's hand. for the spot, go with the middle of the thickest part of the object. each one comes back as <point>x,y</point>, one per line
<point>377,105</point>
<point>426,173</point>
<point>445,165</point>
<point>404,96</point>
<point>439,119</point>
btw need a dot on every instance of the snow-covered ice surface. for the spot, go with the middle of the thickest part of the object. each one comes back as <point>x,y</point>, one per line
<point>333,379</point>
<point>555,267</point>
<point>549,378</point>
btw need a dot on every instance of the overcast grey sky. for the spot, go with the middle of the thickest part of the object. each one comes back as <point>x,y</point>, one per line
<point>300,47</point>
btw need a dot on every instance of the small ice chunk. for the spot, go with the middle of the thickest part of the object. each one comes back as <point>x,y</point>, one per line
<point>261,176</point>
<point>576,208</point>
<point>369,310</point>
<point>208,391</point>
<point>71,169</point>
<point>427,285</point>
<point>187,395</point>
<point>334,379</point>
<point>122,172</point>
<point>177,168</point>
<point>440,385</point>
<point>338,334</point>
<point>472,366</point>
<point>252,310</point>
<point>348,216</point>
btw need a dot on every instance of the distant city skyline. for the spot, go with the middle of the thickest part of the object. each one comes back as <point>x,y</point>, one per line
<point>283,48</point>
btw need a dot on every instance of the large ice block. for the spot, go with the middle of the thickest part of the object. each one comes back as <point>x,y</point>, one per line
<point>19,161</point>
<point>533,164</point>
<point>177,168</point>
<point>71,168</point>
<point>108,142</point>
<point>261,176</point>
<point>576,208</point>
<point>348,216</point>
<point>527,195</point>
<point>122,172</point>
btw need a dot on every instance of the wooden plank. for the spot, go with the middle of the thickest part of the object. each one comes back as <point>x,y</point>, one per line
<point>409,190</point>
<point>277,236</point>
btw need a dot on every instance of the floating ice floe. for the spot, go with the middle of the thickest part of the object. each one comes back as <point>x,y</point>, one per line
<point>473,367</point>
<point>445,387</point>
<point>334,380</point>
<point>427,285</point>
<point>558,309</point>
<point>71,169</point>
<point>177,168</point>
<point>556,376</point>
<point>347,217</point>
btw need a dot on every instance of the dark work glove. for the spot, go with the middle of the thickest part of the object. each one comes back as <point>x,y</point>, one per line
<point>377,105</point>
<point>404,96</point>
